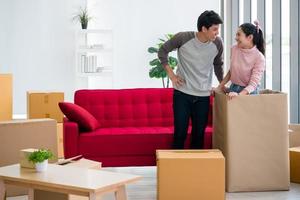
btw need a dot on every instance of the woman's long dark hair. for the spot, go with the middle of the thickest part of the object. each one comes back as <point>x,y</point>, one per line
<point>258,38</point>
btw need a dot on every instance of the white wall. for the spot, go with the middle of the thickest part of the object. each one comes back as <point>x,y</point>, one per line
<point>137,25</point>
<point>37,46</point>
<point>37,41</point>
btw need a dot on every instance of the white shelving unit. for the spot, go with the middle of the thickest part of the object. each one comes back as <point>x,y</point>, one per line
<point>94,52</point>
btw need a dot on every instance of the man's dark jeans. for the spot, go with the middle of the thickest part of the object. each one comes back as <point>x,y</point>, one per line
<point>187,106</point>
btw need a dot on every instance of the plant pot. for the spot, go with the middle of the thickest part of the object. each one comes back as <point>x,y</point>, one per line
<point>84,25</point>
<point>42,166</point>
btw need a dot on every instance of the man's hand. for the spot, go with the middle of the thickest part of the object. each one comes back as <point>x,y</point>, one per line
<point>221,88</point>
<point>214,90</point>
<point>177,81</point>
<point>231,95</point>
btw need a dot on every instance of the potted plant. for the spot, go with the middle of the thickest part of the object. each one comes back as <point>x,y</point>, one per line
<point>40,159</point>
<point>83,17</point>
<point>157,70</point>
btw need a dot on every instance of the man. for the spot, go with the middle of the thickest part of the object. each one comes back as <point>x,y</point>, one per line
<point>198,54</point>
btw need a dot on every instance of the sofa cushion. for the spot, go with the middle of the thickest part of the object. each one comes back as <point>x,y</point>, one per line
<point>138,141</point>
<point>81,116</point>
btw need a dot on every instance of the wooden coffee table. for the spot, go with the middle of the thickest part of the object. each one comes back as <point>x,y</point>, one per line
<point>66,179</point>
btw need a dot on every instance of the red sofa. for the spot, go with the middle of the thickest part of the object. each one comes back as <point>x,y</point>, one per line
<point>133,124</point>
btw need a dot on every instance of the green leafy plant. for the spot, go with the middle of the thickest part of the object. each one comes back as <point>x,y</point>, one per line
<point>83,17</point>
<point>40,155</point>
<point>157,70</point>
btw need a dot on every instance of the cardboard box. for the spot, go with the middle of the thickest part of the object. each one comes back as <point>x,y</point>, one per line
<point>60,140</point>
<point>44,105</point>
<point>295,164</point>
<point>294,135</point>
<point>21,134</point>
<point>190,174</point>
<point>6,97</point>
<point>24,154</point>
<point>251,131</point>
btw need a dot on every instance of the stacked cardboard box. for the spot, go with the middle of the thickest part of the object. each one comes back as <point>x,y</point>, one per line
<point>60,140</point>
<point>44,105</point>
<point>295,164</point>
<point>294,135</point>
<point>190,174</point>
<point>5,97</point>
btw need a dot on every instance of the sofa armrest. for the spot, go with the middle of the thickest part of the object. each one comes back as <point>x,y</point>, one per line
<point>71,136</point>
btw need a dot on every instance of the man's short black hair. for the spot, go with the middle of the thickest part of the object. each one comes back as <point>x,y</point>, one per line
<point>207,19</point>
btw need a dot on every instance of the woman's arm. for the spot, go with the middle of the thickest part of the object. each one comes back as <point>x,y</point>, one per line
<point>225,80</point>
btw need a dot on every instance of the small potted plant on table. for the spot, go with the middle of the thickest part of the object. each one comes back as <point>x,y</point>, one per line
<point>40,159</point>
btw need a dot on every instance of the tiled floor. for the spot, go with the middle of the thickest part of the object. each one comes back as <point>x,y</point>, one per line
<point>146,188</point>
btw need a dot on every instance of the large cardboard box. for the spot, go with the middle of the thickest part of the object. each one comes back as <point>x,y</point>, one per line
<point>295,164</point>
<point>6,97</point>
<point>294,135</point>
<point>190,174</point>
<point>44,105</point>
<point>22,134</point>
<point>252,133</point>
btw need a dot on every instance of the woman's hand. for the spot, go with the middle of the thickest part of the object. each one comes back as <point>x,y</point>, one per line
<point>231,95</point>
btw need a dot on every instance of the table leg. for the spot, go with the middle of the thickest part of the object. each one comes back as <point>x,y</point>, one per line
<point>92,196</point>
<point>30,194</point>
<point>120,194</point>
<point>2,190</point>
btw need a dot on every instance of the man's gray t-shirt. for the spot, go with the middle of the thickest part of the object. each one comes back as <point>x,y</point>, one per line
<point>196,61</point>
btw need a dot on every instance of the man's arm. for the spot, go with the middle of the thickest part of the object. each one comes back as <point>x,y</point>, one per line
<point>218,61</point>
<point>174,43</point>
<point>167,47</point>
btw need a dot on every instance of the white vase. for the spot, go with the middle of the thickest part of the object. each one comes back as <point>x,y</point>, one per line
<point>42,166</point>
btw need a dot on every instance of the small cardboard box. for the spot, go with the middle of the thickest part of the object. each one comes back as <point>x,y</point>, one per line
<point>294,135</point>
<point>24,154</point>
<point>295,164</point>
<point>190,174</point>
<point>44,105</point>
<point>6,97</point>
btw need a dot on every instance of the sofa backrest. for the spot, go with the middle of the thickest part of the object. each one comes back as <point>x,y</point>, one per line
<point>129,107</point>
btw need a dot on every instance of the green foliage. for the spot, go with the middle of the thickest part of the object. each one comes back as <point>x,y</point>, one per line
<point>40,155</point>
<point>83,17</point>
<point>157,70</point>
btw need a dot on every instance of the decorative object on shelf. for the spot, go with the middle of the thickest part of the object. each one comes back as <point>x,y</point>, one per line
<point>83,17</point>
<point>157,70</point>
<point>40,159</point>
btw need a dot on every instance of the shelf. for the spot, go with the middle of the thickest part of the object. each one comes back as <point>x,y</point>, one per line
<point>94,48</point>
<point>85,50</point>
<point>85,31</point>
<point>89,74</point>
